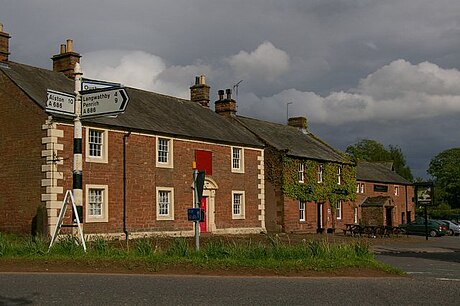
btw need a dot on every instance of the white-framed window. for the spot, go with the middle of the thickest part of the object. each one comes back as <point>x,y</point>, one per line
<point>97,203</point>
<point>320,174</point>
<point>302,212</point>
<point>339,210</point>
<point>237,159</point>
<point>359,187</point>
<point>165,203</point>
<point>339,175</point>
<point>396,190</point>
<point>96,145</point>
<point>301,172</point>
<point>238,209</point>
<point>355,215</point>
<point>164,152</point>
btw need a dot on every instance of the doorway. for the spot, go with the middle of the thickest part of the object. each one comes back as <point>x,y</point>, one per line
<point>389,216</point>
<point>320,224</point>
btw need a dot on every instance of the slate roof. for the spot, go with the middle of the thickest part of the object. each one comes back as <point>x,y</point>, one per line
<point>378,172</point>
<point>379,201</point>
<point>293,141</point>
<point>146,111</point>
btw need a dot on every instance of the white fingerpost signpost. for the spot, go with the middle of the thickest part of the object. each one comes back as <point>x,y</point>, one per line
<point>103,99</point>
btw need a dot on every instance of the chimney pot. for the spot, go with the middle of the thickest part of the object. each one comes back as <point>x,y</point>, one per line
<point>1,27</point>
<point>228,91</point>
<point>63,48</point>
<point>202,79</point>
<point>197,80</point>
<point>221,94</point>
<point>69,45</point>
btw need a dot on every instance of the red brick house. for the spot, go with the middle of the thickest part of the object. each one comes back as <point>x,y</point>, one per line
<point>137,167</point>
<point>383,196</point>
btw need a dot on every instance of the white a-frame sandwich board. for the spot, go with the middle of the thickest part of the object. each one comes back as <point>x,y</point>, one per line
<point>68,196</point>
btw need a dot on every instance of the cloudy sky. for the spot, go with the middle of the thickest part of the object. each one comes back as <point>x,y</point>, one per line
<point>384,70</point>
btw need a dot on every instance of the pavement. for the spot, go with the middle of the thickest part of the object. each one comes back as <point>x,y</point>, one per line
<point>437,258</point>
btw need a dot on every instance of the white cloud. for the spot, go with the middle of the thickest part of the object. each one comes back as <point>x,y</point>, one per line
<point>266,62</point>
<point>398,91</point>
<point>142,70</point>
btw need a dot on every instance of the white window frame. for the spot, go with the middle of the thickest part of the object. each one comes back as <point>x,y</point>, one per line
<point>241,214</point>
<point>104,217</point>
<point>170,214</point>
<point>339,175</point>
<point>358,185</point>
<point>355,215</point>
<point>104,146</point>
<point>301,172</point>
<point>169,155</point>
<point>320,173</point>
<point>240,168</point>
<point>396,190</point>
<point>302,211</point>
<point>362,187</point>
<point>338,210</point>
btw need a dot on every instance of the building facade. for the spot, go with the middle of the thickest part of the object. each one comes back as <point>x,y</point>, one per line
<point>137,167</point>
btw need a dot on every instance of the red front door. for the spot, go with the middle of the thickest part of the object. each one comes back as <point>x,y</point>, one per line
<point>204,224</point>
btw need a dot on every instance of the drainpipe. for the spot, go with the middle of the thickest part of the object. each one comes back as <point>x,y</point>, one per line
<point>124,186</point>
<point>407,220</point>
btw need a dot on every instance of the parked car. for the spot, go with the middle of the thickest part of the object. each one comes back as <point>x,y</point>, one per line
<point>453,229</point>
<point>417,227</point>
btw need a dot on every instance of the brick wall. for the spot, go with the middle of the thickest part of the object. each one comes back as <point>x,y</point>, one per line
<point>143,176</point>
<point>399,201</point>
<point>20,158</point>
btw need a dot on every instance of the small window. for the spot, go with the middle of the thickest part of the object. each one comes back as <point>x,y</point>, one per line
<point>237,159</point>
<point>96,145</point>
<point>302,216</point>
<point>165,203</point>
<point>362,187</point>
<point>357,188</point>
<point>238,205</point>
<point>320,174</point>
<point>164,153</point>
<point>355,215</point>
<point>339,210</point>
<point>96,203</point>
<point>301,172</point>
<point>396,190</point>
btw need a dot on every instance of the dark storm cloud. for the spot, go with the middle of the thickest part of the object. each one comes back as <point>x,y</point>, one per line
<point>384,70</point>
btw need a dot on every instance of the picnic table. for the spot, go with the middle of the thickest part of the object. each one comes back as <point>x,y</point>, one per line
<point>372,230</point>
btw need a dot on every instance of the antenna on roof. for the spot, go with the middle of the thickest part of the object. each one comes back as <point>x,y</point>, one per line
<point>235,87</point>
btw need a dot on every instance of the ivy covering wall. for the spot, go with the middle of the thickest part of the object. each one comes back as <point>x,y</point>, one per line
<point>312,191</point>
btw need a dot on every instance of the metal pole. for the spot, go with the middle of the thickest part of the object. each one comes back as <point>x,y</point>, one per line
<point>197,205</point>
<point>77,142</point>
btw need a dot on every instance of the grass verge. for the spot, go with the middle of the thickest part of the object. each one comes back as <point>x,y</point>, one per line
<point>267,255</point>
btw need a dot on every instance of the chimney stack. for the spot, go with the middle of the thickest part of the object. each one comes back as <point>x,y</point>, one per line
<point>200,91</point>
<point>4,45</point>
<point>65,61</point>
<point>226,107</point>
<point>300,123</point>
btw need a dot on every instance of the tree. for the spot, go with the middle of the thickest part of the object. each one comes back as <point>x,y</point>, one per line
<point>445,171</point>
<point>373,151</point>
